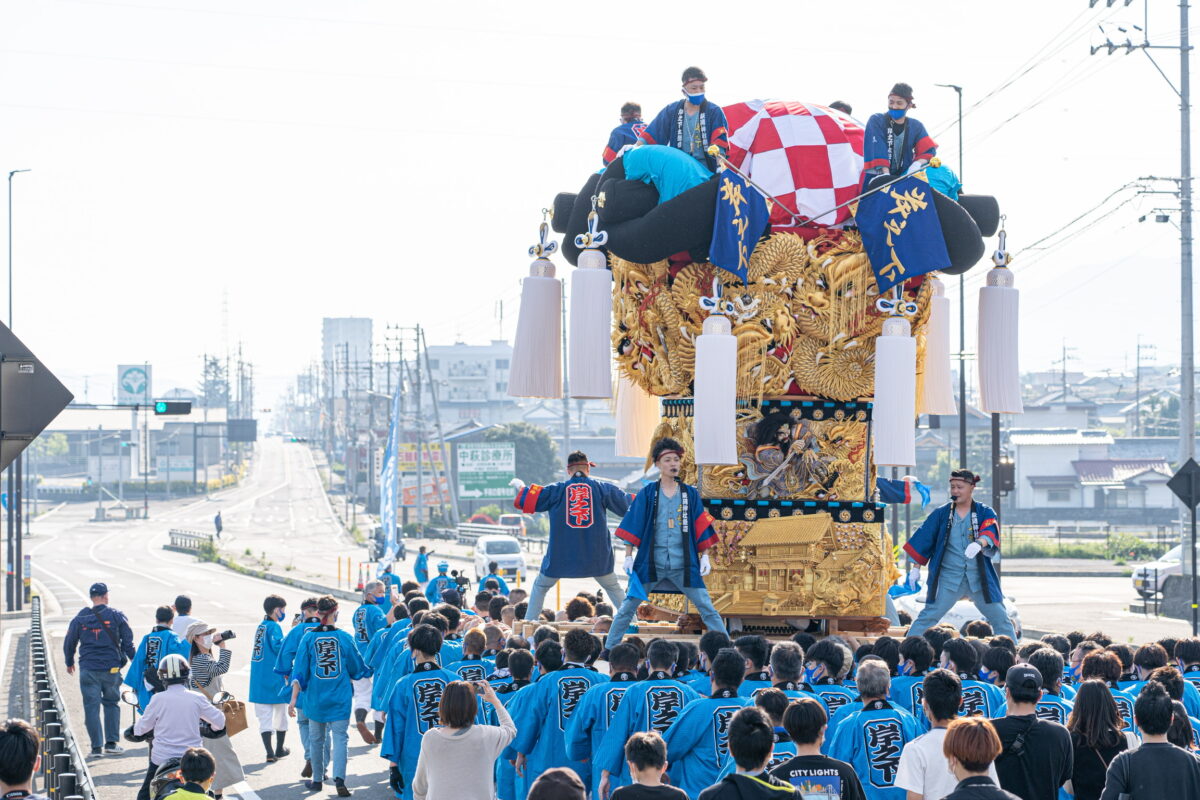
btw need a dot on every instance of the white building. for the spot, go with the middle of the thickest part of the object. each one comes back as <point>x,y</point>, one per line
<point>472,382</point>
<point>344,339</point>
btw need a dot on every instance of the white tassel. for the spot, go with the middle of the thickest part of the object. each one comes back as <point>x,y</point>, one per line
<point>590,353</point>
<point>999,371</point>
<point>638,414</point>
<point>536,369</point>
<point>715,393</point>
<point>893,417</point>
<point>937,396</point>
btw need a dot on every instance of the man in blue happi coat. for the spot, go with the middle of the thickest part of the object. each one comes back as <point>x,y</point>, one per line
<point>895,143</point>
<point>958,542</point>
<point>671,530</point>
<point>542,718</point>
<point>650,705</point>
<point>157,643</point>
<point>591,721</point>
<point>440,583</point>
<point>624,135</point>
<point>421,564</point>
<point>692,124</point>
<point>269,692</point>
<point>284,664</point>
<point>872,738</point>
<point>413,708</point>
<point>369,618</point>
<point>579,545</point>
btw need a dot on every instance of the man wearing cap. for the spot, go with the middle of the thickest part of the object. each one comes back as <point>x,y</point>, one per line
<point>105,642</point>
<point>959,542</point>
<point>692,124</point>
<point>671,530</point>
<point>895,143</point>
<point>579,545</point>
<point>1037,756</point>
<point>440,583</point>
<point>421,564</point>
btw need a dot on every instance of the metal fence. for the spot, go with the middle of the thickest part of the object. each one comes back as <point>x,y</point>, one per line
<point>64,774</point>
<point>187,541</point>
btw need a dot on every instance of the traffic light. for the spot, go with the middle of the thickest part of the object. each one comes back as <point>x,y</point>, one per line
<point>172,407</point>
<point>1006,475</point>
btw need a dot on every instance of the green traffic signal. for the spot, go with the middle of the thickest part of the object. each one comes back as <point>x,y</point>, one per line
<point>172,407</point>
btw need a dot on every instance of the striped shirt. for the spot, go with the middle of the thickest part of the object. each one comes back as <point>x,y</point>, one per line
<point>205,669</point>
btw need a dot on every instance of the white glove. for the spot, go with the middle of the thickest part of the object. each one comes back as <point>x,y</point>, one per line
<point>628,565</point>
<point>705,566</point>
<point>914,578</point>
<point>916,166</point>
<point>973,549</point>
<point>517,484</point>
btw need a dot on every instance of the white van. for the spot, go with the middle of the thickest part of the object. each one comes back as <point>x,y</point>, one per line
<point>505,551</point>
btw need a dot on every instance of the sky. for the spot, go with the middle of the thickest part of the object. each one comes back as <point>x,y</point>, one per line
<point>213,172</point>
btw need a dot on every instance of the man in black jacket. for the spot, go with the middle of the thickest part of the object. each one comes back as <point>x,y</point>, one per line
<point>105,642</point>
<point>1037,756</point>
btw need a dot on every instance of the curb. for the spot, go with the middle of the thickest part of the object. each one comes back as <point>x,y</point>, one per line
<point>1025,573</point>
<point>295,583</point>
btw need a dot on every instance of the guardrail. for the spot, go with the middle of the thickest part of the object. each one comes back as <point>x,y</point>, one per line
<point>64,774</point>
<point>469,532</point>
<point>183,541</point>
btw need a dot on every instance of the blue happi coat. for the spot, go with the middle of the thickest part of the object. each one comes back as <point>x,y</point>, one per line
<point>871,740</point>
<point>590,723</point>
<point>440,583</point>
<point>326,662</point>
<point>637,528</point>
<point>542,720</point>
<point>157,643</point>
<point>412,709</point>
<point>652,704</point>
<point>367,620</point>
<point>579,545</point>
<point>915,143</point>
<point>472,668</point>
<point>266,685</point>
<point>928,547</point>
<point>287,654</point>
<point>698,740</point>
<point>669,127</point>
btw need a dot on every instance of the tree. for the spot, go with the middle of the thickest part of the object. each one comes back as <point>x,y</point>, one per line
<point>536,456</point>
<point>49,445</point>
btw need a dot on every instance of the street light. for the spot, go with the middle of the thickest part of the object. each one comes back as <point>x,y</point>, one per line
<point>10,262</point>
<point>962,309</point>
<point>14,471</point>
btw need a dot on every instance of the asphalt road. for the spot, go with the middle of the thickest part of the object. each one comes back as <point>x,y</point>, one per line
<point>280,514</point>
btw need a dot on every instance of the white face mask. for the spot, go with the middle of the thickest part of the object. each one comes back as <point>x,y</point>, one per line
<point>206,641</point>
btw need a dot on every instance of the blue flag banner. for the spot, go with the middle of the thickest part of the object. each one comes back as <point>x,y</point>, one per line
<point>388,483</point>
<point>901,232</point>
<point>901,491</point>
<point>739,219</point>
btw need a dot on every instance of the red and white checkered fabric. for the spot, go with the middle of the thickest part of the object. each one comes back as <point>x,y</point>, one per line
<point>808,156</point>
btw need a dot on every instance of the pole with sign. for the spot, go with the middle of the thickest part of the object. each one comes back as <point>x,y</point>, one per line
<point>1186,485</point>
<point>485,470</point>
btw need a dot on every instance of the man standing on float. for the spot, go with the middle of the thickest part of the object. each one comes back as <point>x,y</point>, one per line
<point>691,124</point>
<point>895,143</point>
<point>580,545</point>
<point>671,530</point>
<point>959,542</point>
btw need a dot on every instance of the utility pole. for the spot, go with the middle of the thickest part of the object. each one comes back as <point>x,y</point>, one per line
<point>451,484</point>
<point>420,421</point>
<point>1187,378</point>
<point>1066,356</point>
<point>15,544</point>
<point>1137,383</point>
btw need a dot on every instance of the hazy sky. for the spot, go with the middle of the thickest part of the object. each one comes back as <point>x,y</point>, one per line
<point>388,159</point>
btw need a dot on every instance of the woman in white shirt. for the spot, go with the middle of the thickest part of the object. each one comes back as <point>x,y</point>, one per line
<point>457,758</point>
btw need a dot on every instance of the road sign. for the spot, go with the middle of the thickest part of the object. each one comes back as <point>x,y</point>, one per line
<point>242,430</point>
<point>133,385</point>
<point>30,396</point>
<point>485,470</point>
<point>406,458</point>
<point>431,496</point>
<point>1186,484</point>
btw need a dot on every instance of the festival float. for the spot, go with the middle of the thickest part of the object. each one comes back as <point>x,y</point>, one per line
<point>787,324</point>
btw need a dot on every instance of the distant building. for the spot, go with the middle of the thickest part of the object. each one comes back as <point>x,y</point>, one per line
<point>471,382</point>
<point>1057,410</point>
<point>344,339</point>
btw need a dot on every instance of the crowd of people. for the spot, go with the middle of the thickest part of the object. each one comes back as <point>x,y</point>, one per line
<point>464,700</point>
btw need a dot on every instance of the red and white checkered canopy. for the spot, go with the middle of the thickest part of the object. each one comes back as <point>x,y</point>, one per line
<point>808,156</point>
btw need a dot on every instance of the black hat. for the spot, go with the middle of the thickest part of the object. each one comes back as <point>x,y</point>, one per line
<point>694,74</point>
<point>98,590</point>
<point>1023,676</point>
<point>902,90</point>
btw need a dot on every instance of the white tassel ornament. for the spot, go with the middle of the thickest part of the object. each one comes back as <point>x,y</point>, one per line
<point>715,393</point>
<point>590,352</point>
<point>937,395</point>
<point>638,414</point>
<point>999,369</point>
<point>893,417</point>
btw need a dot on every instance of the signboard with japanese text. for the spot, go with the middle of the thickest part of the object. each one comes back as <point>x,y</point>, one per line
<point>485,470</point>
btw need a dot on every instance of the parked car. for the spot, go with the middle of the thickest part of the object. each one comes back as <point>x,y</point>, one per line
<point>1150,579</point>
<point>960,613</point>
<point>504,550</point>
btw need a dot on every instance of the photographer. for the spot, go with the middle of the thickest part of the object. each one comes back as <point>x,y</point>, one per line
<point>174,717</point>
<point>457,758</point>
<point>205,677</point>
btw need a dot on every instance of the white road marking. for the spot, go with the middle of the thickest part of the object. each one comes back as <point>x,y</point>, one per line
<point>70,586</point>
<point>4,645</point>
<point>243,789</point>
<point>110,565</point>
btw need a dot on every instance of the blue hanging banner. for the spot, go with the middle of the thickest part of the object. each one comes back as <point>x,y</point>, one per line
<point>901,232</point>
<point>388,483</point>
<point>739,219</point>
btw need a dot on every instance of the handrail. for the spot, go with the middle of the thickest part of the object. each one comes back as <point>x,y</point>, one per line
<point>64,774</point>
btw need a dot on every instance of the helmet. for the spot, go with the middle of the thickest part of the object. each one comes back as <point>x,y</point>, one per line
<point>173,668</point>
<point>166,779</point>
<point>443,566</point>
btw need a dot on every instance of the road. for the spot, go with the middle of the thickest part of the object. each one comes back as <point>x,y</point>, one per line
<point>280,515</point>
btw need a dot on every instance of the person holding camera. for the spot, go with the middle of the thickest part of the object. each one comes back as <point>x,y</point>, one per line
<point>460,743</point>
<point>205,677</point>
<point>175,716</point>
